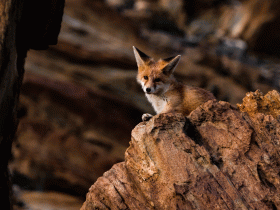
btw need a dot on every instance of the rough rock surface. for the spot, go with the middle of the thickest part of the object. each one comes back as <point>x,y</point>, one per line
<point>216,158</point>
<point>256,102</point>
<point>94,58</point>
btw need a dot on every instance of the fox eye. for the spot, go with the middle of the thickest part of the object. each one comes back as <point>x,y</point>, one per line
<point>146,77</point>
<point>157,80</point>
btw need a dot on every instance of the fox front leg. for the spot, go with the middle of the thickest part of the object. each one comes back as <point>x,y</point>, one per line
<point>146,117</point>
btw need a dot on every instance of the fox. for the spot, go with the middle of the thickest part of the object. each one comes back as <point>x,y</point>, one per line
<point>161,88</point>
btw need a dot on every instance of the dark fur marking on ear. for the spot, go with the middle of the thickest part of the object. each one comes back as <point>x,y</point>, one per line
<point>142,55</point>
<point>169,68</point>
<point>169,59</point>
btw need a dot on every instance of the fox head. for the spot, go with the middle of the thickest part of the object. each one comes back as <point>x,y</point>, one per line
<point>155,77</point>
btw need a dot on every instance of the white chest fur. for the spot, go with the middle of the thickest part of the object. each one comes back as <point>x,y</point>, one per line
<point>157,102</point>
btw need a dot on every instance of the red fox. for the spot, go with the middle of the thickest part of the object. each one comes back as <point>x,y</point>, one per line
<point>163,91</point>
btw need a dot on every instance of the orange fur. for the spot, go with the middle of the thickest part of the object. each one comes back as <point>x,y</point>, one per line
<point>164,92</point>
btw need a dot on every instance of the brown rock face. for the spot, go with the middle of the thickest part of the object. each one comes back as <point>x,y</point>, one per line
<point>68,135</point>
<point>79,99</point>
<point>216,158</point>
<point>256,102</point>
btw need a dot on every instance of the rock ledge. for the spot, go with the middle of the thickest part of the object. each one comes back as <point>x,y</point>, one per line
<point>216,158</point>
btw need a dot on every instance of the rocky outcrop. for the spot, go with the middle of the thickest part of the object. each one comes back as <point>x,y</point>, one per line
<point>216,158</point>
<point>83,92</point>
<point>256,102</point>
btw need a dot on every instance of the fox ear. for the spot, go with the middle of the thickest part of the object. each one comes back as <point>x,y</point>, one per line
<point>141,58</point>
<point>172,62</point>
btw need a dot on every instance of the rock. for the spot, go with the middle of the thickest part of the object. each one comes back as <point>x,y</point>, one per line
<point>253,21</point>
<point>216,158</point>
<point>68,135</point>
<point>51,200</point>
<point>14,43</point>
<point>40,27</point>
<point>67,87</point>
<point>85,38</point>
<point>256,102</point>
<point>99,53</point>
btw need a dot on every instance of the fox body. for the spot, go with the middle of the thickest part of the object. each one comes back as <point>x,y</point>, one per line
<point>161,88</point>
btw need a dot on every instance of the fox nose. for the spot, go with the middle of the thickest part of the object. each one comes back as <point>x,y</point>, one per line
<point>148,90</point>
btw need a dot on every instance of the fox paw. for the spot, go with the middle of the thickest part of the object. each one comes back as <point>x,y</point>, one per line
<point>146,117</point>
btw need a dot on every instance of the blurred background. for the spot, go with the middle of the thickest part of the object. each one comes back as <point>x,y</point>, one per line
<point>80,100</point>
